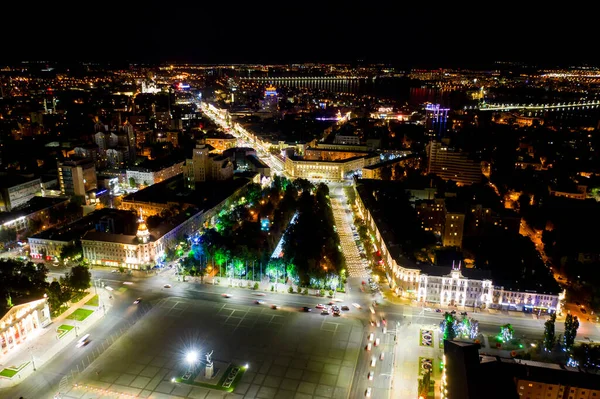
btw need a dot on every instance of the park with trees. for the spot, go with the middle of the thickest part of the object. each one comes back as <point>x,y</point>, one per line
<point>24,281</point>
<point>240,244</point>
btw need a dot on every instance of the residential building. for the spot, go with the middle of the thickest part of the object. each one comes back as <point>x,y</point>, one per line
<point>204,166</point>
<point>450,164</point>
<point>466,375</point>
<point>152,172</point>
<point>221,143</point>
<point>443,285</point>
<point>77,176</point>
<point>33,216</point>
<point>16,191</point>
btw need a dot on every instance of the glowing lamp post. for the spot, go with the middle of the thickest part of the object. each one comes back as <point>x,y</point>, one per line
<point>191,358</point>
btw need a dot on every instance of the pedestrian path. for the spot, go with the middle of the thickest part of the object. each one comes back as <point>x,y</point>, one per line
<point>354,263</point>
<point>38,350</point>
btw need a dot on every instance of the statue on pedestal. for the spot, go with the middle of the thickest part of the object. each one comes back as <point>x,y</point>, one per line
<point>208,372</point>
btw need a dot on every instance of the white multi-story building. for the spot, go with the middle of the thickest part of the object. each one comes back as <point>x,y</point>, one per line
<point>148,176</point>
<point>142,249</point>
<point>448,286</point>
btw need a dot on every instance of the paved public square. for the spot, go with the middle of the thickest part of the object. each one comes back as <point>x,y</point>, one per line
<point>291,354</point>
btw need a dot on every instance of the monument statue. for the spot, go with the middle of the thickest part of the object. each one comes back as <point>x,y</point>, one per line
<point>208,371</point>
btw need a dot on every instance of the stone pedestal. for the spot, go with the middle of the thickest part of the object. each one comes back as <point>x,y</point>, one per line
<point>208,371</point>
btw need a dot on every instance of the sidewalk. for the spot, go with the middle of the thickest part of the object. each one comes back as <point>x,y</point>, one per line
<point>43,347</point>
<point>264,286</point>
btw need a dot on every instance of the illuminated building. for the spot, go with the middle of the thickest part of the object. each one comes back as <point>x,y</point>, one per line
<point>221,143</point>
<point>467,375</point>
<point>206,167</point>
<point>271,100</point>
<point>153,172</point>
<point>443,285</point>
<point>16,191</point>
<point>450,164</point>
<point>35,213</point>
<point>21,324</point>
<point>335,170</point>
<point>77,176</point>
<point>142,249</point>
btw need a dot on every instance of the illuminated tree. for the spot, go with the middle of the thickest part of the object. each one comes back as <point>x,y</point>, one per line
<point>447,326</point>
<point>549,333</point>
<point>571,327</point>
<point>507,332</point>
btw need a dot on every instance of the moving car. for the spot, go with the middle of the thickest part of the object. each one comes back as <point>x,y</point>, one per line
<point>275,307</point>
<point>320,306</point>
<point>356,305</point>
<point>382,356</point>
<point>368,346</point>
<point>226,295</point>
<point>137,301</point>
<point>325,311</point>
<point>167,286</point>
<point>370,376</point>
<point>259,302</point>
<point>307,309</point>
<point>373,361</point>
<point>368,392</point>
<point>346,308</point>
<point>83,341</point>
<point>371,336</point>
<point>376,341</point>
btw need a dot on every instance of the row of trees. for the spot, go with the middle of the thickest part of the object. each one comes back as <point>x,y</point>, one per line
<point>24,281</point>
<point>550,341</point>
<point>71,286</point>
<point>238,245</point>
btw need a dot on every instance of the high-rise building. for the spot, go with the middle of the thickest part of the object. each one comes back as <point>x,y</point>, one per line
<point>271,100</point>
<point>204,166</point>
<point>450,164</point>
<point>131,142</point>
<point>77,176</point>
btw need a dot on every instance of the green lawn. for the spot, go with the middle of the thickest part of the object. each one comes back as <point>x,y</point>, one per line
<point>80,314</point>
<point>64,329</point>
<point>93,301</point>
<point>219,386</point>
<point>8,373</point>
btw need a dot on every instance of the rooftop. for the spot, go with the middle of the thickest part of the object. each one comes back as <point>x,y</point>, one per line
<point>33,205</point>
<point>9,180</point>
<point>155,165</point>
<point>206,195</point>
<point>77,229</point>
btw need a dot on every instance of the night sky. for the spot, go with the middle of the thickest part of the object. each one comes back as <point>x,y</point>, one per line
<point>325,31</point>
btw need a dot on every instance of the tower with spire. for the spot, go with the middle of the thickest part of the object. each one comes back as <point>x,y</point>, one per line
<point>143,234</point>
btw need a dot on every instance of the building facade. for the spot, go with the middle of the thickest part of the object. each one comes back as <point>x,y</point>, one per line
<point>206,167</point>
<point>446,286</point>
<point>21,324</point>
<point>16,191</point>
<point>77,177</point>
<point>136,251</point>
<point>149,176</point>
<point>450,164</point>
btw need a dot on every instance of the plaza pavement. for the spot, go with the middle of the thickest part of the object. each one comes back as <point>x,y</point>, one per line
<point>290,354</point>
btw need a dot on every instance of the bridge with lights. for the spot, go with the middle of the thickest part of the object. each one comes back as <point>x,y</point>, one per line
<point>302,78</point>
<point>590,104</point>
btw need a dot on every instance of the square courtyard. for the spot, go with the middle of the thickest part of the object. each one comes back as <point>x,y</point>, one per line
<point>291,354</point>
